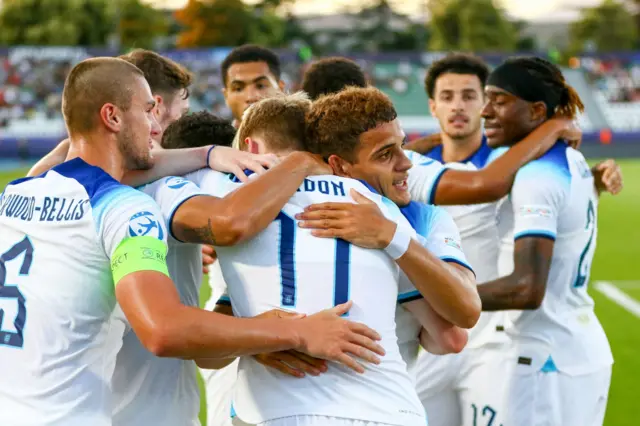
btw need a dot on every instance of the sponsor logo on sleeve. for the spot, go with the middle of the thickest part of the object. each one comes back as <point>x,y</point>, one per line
<point>176,182</point>
<point>452,243</point>
<point>534,211</point>
<point>145,224</point>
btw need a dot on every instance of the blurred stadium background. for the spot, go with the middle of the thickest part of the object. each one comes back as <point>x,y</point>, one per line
<point>595,41</point>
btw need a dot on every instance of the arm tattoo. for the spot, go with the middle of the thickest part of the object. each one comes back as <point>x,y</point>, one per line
<point>201,234</point>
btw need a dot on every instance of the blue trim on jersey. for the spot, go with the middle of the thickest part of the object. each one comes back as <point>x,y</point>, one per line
<point>421,216</point>
<point>224,301</point>
<point>95,181</point>
<point>478,158</point>
<point>409,297</point>
<point>549,366</point>
<point>451,259</point>
<point>173,213</point>
<point>434,186</point>
<point>233,411</point>
<point>535,234</point>
<point>554,162</point>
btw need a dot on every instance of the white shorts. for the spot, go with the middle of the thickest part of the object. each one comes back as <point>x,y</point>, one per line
<point>318,421</point>
<point>556,399</point>
<point>219,385</point>
<point>469,388</point>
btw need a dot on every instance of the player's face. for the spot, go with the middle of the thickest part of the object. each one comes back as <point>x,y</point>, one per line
<point>507,118</point>
<point>139,127</point>
<point>457,104</point>
<point>247,83</point>
<point>381,162</point>
<point>170,109</point>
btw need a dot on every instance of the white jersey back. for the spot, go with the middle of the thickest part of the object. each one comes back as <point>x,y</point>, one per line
<point>477,224</point>
<point>141,379</point>
<point>284,267</point>
<point>554,197</point>
<point>61,328</point>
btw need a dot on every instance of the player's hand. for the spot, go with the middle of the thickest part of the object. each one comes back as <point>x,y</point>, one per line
<point>293,363</point>
<point>571,133</point>
<point>424,144</point>
<point>327,336</point>
<point>230,160</point>
<point>316,166</point>
<point>361,224</point>
<point>208,258</point>
<point>607,176</point>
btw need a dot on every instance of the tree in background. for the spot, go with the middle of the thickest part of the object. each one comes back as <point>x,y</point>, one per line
<point>376,32</point>
<point>606,27</point>
<point>471,25</point>
<point>231,23</point>
<point>78,22</point>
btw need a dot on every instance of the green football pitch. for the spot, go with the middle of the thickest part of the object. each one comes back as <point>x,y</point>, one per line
<point>617,251</point>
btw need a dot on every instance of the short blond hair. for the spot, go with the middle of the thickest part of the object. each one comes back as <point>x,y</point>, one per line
<point>280,120</point>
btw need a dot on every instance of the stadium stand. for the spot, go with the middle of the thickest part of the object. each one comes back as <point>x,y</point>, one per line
<point>31,80</point>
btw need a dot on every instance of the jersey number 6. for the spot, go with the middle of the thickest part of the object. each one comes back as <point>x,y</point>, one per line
<point>10,295</point>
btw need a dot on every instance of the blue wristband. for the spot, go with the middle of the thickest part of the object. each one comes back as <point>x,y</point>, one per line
<point>209,155</point>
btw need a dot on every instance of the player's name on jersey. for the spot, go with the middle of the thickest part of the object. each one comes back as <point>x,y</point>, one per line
<point>323,187</point>
<point>47,209</point>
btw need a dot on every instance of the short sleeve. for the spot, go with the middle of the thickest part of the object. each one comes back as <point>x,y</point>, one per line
<point>129,214</point>
<point>170,193</point>
<point>537,196</point>
<point>443,238</point>
<point>213,183</point>
<point>424,177</point>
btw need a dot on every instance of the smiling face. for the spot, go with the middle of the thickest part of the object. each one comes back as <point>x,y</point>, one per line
<point>508,119</point>
<point>457,103</point>
<point>381,162</point>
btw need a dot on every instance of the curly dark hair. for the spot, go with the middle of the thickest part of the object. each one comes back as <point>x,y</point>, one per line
<point>455,63</point>
<point>336,122</point>
<point>251,53</point>
<point>198,129</point>
<point>331,75</point>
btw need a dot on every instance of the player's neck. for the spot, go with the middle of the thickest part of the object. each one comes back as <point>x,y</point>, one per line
<point>98,154</point>
<point>458,150</point>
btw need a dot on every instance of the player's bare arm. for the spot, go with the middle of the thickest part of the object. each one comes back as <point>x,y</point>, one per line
<point>437,335</point>
<point>449,288</point>
<point>167,328</point>
<point>52,159</point>
<point>178,162</point>
<point>525,287</point>
<point>291,362</point>
<point>424,144</point>
<point>247,210</point>
<point>458,187</point>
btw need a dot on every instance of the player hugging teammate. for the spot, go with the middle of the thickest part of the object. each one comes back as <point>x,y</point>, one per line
<point>346,264</point>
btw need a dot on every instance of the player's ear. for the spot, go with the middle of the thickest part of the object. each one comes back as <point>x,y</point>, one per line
<point>250,146</point>
<point>111,117</point>
<point>432,107</point>
<point>339,166</point>
<point>538,111</point>
<point>159,106</point>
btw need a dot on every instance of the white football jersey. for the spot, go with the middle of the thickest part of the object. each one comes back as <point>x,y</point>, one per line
<point>478,228</point>
<point>554,197</point>
<point>60,327</point>
<point>141,379</point>
<point>437,232</point>
<point>284,267</point>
